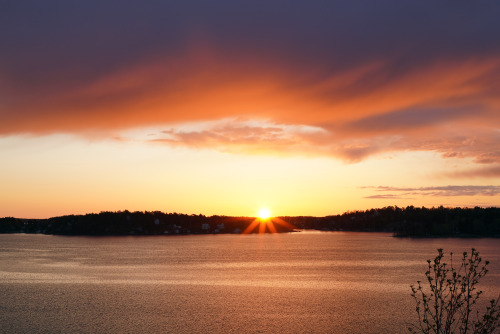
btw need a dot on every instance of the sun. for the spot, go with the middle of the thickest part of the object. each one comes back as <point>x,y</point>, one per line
<point>265,223</point>
<point>264,213</point>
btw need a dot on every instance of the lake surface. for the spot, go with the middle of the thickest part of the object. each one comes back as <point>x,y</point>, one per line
<point>307,282</point>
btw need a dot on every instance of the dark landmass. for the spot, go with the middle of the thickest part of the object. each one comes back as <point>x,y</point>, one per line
<point>411,221</point>
<point>402,222</point>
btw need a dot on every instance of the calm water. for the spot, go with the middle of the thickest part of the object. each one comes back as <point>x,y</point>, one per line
<point>308,282</point>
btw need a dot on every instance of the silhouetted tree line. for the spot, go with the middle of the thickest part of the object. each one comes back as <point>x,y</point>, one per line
<point>129,223</point>
<point>403,222</point>
<point>410,221</point>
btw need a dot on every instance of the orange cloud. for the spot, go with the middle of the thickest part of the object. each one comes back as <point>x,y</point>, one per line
<point>193,87</point>
<point>359,111</point>
<point>243,136</point>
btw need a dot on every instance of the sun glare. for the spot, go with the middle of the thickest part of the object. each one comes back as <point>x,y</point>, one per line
<point>265,223</point>
<point>264,213</point>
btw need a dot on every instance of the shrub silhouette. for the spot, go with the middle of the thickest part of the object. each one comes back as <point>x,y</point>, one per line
<point>449,305</point>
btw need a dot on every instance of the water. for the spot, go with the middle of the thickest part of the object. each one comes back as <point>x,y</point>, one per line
<point>307,282</point>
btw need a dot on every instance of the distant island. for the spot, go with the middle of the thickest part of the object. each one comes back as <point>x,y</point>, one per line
<point>402,222</point>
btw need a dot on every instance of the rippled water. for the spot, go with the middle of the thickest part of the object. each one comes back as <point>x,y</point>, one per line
<point>307,282</point>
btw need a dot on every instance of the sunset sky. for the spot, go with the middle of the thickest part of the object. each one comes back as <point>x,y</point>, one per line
<point>225,107</point>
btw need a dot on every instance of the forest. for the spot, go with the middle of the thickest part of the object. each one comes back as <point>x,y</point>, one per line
<point>402,222</point>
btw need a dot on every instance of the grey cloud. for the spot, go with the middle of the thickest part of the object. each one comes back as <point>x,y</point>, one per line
<point>403,120</point>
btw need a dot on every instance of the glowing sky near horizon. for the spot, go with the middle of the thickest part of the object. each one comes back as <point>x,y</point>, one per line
<point>223,107</point>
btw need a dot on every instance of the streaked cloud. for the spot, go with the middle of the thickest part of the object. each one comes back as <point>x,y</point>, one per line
<point>438,191</point>
<point>482,172</point>
<point>388,196</point>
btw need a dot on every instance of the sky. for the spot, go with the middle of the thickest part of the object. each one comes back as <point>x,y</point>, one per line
<point>226,107</point>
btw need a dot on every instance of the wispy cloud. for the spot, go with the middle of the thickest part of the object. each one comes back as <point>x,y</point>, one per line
<point>483,172</point>
<point>388,196</point>
<point>240,136</point>
<point>244,136</point>
<point>440,191</point>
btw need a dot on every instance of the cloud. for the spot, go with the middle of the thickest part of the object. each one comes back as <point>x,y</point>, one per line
<point>405,120</point>
<point>388,196</point>
<point>458,141</point>
<point>366,88</point>
<point>266,137</point>
<point>441,191</point>
<point>484,172</point>
<point>243,136</point>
